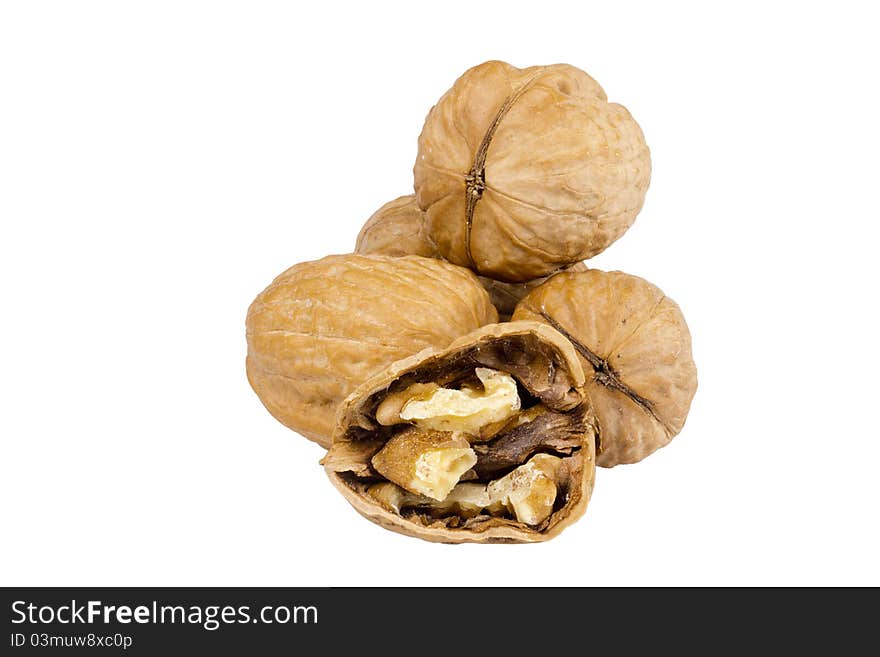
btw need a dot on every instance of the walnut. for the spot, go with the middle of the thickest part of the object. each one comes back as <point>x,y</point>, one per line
<point>322,328</point>
<point>398,229</point>
<point>523,172</point>
<point>440,423</point>
<point>531,478</point>
<point>493,399</point>
<point>530,490</point>
<point>635,347</point>
<point>425,462</point>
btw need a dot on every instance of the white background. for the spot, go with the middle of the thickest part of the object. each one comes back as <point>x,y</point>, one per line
<point>161,162</point>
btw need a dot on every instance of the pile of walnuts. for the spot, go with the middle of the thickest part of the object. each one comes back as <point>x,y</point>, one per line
<point>440,421</point>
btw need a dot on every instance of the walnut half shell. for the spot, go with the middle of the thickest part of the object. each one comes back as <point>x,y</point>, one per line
<point>529,477</point>
<point>635,347</point>
<point>322,328</point>
<point>524,171</point>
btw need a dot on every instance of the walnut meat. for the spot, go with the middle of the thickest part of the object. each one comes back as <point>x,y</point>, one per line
<point>322,328</point>
<point>635,347</point>
<point>398,229</point>
<point>524,171</point>
<point>524,480</point>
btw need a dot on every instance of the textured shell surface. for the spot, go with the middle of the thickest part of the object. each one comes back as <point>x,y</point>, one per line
<point>636,349</point>
<point>322,328</point>
<point>396,229</point>
<point>522,172</point>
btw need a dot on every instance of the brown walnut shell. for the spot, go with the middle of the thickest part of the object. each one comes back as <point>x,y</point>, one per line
<point>322,328</point>
<point>635,346</point>
<point>523,172</point>
<point>398,229</point>
<point>544,363</point>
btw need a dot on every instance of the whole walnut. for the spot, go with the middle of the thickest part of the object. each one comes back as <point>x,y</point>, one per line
<point>322,328</point>
<point>398,229</point>
<point>486,441</point>
<point>523,172</point>
<point>635,347</point>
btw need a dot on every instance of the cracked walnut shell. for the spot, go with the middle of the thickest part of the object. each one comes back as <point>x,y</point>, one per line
<point>398,229</point>
<point>523,172</point>
<point>526,482</point>
<point>322,328</point>
<point>635,347</point>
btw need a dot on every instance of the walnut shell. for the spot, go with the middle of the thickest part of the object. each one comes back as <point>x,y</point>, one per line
<point>544,363</point>
<point>525,171</point>
<point>635,346</point>
<point>324,327</point>
<point>398,229</point>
